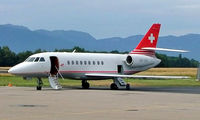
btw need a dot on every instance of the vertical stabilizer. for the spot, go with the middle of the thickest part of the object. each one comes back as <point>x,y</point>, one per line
<point>149,40</point>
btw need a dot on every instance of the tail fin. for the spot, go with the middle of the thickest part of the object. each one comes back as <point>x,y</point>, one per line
<point>149,40</point>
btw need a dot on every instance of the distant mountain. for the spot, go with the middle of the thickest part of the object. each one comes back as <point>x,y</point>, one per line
<point>20,38</point>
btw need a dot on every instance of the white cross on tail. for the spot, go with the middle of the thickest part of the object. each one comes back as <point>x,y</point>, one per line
<point>151,38</point>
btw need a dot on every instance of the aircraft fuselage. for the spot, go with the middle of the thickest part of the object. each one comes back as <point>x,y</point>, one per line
<point>76,65</point>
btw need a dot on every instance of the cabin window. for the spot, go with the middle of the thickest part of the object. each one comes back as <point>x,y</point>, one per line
<point>72,62</point>
<point>76,62</point>
<point>37,59</point>
<point>85,62</point>
<point>68,62</point>
<point>89,62</point>
<point>98,62</point>
<point>31,59</point>
<point>102,63</point>
<point>81,62</point>
<point>42,59</point>
<point>93,62</point>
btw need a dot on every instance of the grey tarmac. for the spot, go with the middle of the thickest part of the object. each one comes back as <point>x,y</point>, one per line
<point>141,103</point>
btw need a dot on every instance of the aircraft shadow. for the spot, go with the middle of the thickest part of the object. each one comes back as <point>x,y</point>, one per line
<point>185,90</point>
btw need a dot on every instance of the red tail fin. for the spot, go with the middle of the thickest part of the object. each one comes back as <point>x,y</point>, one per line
<point>149,40</point>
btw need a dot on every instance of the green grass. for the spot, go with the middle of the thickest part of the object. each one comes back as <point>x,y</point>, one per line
<point>16,81</point>
<point>19,81</point>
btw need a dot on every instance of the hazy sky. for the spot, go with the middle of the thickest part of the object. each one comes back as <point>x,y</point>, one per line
<point>104,18</point>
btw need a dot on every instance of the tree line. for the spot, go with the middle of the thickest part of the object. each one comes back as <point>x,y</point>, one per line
<point>10,58</point>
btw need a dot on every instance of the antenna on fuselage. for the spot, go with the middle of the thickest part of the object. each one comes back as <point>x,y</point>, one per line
<point>74,51</point>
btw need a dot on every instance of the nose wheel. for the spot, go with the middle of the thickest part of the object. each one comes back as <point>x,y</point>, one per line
<point>85,84</point>
<point>38,88</point>
<point>39,84</point>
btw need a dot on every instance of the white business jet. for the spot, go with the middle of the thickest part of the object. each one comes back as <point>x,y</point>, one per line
<point>94,66</point>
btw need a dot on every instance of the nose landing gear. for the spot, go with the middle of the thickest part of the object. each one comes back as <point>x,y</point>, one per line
<point>39,84</point>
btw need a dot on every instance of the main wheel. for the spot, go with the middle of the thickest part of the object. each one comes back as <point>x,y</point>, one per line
<point>113,86</point>
<point>128,86</point>
<point>85,85</point>
<point>39,88</point>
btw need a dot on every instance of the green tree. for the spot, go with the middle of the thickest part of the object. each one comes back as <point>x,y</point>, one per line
<point>8,58</point>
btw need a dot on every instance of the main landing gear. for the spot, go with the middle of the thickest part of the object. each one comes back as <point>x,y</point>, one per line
<point>119,83</point>
<point>85,84</point>
<point>39,84</point>
<point>113,86</point>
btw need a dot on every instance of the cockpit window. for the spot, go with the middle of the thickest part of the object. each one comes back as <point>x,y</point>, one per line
<point>31,59</point>
<point>37,59</point>
<point>27,59</point>
<point>42,59</point>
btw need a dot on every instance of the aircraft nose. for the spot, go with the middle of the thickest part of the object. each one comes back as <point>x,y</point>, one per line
<point>12,70</point>
<point>17,69</point>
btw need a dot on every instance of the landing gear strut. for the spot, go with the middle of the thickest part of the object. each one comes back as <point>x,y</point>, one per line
<point>85,84</point>
<point>39,84</point>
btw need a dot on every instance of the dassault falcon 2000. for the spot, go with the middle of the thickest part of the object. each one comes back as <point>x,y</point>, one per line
<point>94,66</point>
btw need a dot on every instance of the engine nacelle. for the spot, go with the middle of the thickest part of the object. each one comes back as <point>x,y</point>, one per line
<point>140,60</point>
<point>129,60</point>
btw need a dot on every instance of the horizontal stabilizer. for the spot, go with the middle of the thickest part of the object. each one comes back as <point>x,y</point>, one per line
<point>164,49</point>
<point>135,76</point>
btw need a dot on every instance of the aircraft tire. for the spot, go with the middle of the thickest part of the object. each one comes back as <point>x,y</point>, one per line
<point>39,88</point>
<point>85,85</point>
<point>113,86</point>
<point>127,86</point>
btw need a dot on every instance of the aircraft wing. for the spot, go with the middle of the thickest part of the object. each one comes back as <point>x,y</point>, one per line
<point>135,76</point>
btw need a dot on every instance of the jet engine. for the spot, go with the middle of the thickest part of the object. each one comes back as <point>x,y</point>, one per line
<point>139,60</point>
<point>129,60</point>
